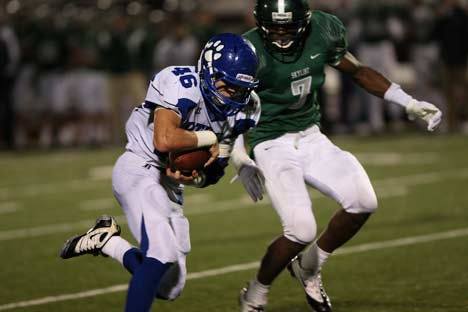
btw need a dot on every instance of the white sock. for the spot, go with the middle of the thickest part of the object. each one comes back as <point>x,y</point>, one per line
<point>313,258</point>
<point>116,247</point>
<point>257,293</point>
<point>322,257</point>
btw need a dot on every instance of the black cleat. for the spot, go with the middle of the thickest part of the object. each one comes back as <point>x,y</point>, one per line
<point>93,240</point>
<point>316,296</point>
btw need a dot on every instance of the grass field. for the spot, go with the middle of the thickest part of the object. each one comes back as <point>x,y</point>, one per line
<point>411,256</point>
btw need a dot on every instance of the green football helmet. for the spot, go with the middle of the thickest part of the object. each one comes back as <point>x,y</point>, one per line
<point>283,23</point>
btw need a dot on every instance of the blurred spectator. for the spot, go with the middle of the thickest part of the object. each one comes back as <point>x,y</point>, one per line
<point>127,86</point>
<point>205,26</point>
<point>142,41</point>
<point>29,112</point>
<point>378,27</point>
<point>178,47</point>
<point>85,65</point>
<point>9,61</point>
<point>87,87</point>
<point>451,33</point>
<point>424,53</point>
<point>345,12</point>
<point>51,57</point>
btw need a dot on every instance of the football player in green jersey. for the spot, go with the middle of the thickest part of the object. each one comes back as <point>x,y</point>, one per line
<point>294,44</point>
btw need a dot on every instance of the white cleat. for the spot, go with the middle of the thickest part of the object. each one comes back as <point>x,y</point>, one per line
<point>316,296</point>
<point>93,240</point>
<point>246,306</point>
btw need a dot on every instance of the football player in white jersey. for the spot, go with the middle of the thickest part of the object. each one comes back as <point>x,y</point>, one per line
<point>186,107</point>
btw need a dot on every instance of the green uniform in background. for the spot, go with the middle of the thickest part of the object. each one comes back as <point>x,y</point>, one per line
<point>288,90</point>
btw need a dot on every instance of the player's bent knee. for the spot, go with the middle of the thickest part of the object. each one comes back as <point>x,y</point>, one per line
<point>363,202</point>
<point>303,232</point>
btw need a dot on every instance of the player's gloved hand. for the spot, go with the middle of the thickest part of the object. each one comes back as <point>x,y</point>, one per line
<point>426,111</point>
<point>415,109</point>
<point>253,180</point>
<point>250,175</point>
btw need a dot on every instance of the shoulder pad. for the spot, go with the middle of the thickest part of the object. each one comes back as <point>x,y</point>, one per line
<point>175,83</point>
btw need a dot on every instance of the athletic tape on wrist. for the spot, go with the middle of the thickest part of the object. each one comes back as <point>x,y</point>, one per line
<point>395,94</point>
<point>206,138</point>
<point>224,150</point>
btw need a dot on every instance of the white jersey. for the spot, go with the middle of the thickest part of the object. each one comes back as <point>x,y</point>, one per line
<point>178,89</point>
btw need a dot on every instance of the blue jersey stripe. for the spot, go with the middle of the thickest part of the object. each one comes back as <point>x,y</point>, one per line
<point>185,106</point>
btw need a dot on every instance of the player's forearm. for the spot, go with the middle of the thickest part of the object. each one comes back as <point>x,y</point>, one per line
<point>169,137</point>
<point>372,81</point>
<point>169,140</point>
<point>369,79</point>
<point>177,139</point>
<point>375,83</point>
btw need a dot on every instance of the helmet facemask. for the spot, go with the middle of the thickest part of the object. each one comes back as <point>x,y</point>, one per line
<point>225,96</point>
<point>283,25</point>
<point>283,37</point>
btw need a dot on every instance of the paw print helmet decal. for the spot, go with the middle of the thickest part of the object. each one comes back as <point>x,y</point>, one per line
<point>231,59</point>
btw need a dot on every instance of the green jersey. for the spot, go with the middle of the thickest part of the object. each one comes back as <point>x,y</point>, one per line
<point>288,90</point>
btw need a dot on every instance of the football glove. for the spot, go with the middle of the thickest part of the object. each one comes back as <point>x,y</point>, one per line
<point>247,171</point>
<point>426,111</point>
<point>211,174</point>
<point>253,180</point>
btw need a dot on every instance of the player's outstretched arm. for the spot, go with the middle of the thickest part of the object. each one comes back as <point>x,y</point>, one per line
<point>169,137</point>
<point>376,84</point>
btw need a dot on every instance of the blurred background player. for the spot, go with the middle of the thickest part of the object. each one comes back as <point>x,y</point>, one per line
<point>294,44</point>
<point>9,63</point>
<point>378,30</point>
<point>118,42</point>
<point>451,31</point>
<point>185,108</point>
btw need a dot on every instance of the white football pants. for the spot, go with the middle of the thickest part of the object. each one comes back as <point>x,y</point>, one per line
<point>153,207</point>
<point>309,157</point>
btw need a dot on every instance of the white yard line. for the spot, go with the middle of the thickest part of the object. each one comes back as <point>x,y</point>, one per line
<point>385,188</point>
<point>44,230</point>
<point>423,178</point>
<point>105,203</point>
<point>102,174</point>
<point>48,188</point>
<point>243,202</point>
<point>383,159</point>
<point>412,240</point>
<point>82,225</point>
<point>51,229</point>
<point>9,207</point>
<point>225,205</point>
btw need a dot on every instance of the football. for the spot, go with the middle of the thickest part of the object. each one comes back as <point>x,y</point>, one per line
<point>187,161</point>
